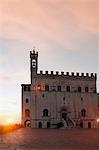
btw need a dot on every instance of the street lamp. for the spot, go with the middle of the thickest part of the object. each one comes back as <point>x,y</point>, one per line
<point>98,120</point>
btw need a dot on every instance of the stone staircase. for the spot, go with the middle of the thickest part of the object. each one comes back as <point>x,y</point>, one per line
<point>66,123</point>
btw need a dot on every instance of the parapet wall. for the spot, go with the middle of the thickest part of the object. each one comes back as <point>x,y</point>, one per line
<point>72,74</point>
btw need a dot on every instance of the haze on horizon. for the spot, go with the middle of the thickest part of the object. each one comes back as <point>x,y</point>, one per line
<point>65,33</point>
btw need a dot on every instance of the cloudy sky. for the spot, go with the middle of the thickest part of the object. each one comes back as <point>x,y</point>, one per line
<point>64,32</point>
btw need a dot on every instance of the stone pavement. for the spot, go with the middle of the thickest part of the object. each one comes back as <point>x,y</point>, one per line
<point>50,139</point>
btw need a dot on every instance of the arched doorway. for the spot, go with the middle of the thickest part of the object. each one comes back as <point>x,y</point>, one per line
<point>40,124</point>
<point>64,115</point>
<point>45,112</point>
<point>64,112</point>
<point>27,123</point>
<point>81,124</point>
<point>83,113</point>
<point>48,124</point>
<point>89,124</point>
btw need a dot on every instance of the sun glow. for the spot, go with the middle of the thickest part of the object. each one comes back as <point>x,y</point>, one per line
<point>9,121</point>
<point>9,114</point>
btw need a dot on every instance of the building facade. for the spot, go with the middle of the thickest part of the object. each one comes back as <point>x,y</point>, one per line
<point>54,100</point>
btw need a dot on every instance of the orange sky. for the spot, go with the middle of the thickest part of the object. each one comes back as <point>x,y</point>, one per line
<point>66,31</point>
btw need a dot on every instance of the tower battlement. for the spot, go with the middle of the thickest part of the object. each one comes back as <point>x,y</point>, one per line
<point>34,70</point>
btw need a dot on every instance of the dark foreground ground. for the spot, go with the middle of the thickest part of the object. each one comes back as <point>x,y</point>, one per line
<point>50,139</point>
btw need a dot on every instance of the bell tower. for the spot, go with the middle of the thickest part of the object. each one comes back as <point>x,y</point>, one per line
<point>33,63</point>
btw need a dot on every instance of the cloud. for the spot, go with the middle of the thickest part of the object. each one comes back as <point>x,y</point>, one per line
<point>40,19</point>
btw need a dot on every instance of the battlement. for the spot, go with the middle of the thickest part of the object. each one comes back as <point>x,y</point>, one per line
<point>34,70</point>
<point>72,74</point>
<point>33,54</point>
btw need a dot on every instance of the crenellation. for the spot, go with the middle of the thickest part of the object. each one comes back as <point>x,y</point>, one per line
<point>92,75</point>
<point>82,74</point>
<point>46,72</point>
<point>72,73</point>
<point>62,73</point>
<point>95,75</point>
<point>67,73</point>
<point>77,73</point>
<point>41,72</point>
<point>57,73</point>
<point>52,72</point>
<point>87,74</point>
<point>34,52</point>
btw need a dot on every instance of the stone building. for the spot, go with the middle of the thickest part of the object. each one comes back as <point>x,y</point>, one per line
<point>59,100</point>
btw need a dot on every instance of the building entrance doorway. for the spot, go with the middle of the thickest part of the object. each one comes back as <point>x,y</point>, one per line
<point>81,124</point>
<point>64,116</point>
<point>40,125</point>
<point>27,123</point>
<point>89,124</point>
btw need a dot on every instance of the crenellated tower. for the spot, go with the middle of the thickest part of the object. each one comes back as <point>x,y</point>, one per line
<point>33,63</point>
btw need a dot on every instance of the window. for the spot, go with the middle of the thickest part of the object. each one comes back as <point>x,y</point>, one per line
<point>79,89</point>
<point>40,124</point>
<point>59,88</point>
<point>45,112</point>
<point>38,87</point>
<point>24,88</point>
<point>86,89</point>
<point>48,124</point>
<point>46,87</point>
<point>43,95</point>
<point>28,88</point>
<point>27,113</point>
<point>34,63</point>
<point>27,100</point>
<point>64,116</point>
<point>68,88</point>
<point>83,113</point>
<point>53,88</point>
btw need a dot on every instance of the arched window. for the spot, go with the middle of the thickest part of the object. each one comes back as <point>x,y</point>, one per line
<point>86,89</point>
<point>83,113</point>
<point>27,113</point>
<point>38,87</point>
<point>81,124</point>
<point>34,63</point>
<point>64,116</point>
<point>46,87</point>
<point>40,124</point>
<point>79,89</point>
<point>48,124</point>
<point>45,112</point>
<point>27,100</point>
<point>68,88</point>
<point>59,88</point>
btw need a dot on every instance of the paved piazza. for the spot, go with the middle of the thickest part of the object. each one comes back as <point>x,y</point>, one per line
<point>50,139</point>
